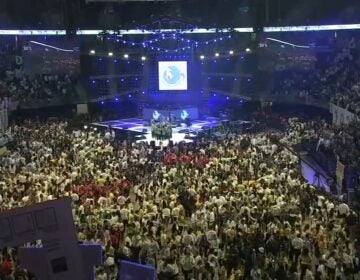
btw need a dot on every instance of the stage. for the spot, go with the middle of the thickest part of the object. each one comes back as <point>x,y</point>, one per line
<point>142,129</point>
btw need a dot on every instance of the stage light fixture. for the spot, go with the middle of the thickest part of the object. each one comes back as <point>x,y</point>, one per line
<point>227,97</point>
<point>143,58</point>
<point>248,50</point>
<point>116,99</point>
<point>110,54</point>
<point>102,102</point>
<point>92,52</point>
<point>129,95</point>
<point>126,56</point>
<point>231,52</point>
<point>217,54</point>
<point>202,57</point>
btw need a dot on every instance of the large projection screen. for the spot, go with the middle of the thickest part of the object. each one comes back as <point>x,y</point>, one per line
<point>173,75</point>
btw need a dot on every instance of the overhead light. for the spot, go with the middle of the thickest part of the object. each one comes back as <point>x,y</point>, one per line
<point>217,54</point>
<point>110,54</point>
<point>126,56</point>
<point>248,50</point>
<point>143,58</point>
<point>92,52</point>
<point>231,52</point>
<point>202,57</point>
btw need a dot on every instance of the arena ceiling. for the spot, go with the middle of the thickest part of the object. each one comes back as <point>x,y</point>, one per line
<point>205,13</point>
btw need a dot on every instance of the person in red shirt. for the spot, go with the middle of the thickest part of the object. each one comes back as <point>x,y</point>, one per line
<point>185,159</point>
<point>170,159</point>
<point>6,267</point>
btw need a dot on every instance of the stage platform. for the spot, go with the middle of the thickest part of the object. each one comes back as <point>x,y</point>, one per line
<point>143,129</point>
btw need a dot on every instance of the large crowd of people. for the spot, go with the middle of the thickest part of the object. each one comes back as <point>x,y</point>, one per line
<point>336,79</point>
<point>20,87</point>
<point>232,209</point>
<point>235,208</point>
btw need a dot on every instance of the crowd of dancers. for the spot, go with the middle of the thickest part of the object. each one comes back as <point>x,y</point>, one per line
<point>231,209</point>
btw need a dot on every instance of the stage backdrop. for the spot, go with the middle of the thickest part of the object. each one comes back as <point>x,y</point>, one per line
<point>192,113</point>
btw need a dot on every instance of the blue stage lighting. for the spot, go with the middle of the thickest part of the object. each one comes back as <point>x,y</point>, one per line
<point>249,80</point>
<point>102,102</point>
<point>116,99</point>
<point>227,97</point>
<point>93,81</point>
<point>214,94</point>
<point>129,95</point>
<point>107,81</point>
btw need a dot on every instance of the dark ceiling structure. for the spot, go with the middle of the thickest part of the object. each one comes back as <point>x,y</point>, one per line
<point>101,14</point>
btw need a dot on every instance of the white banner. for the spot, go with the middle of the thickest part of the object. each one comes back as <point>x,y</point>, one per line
<point>341,115</point>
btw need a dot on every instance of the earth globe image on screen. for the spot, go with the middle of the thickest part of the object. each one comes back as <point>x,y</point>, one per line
<point>184,115</point>
<point>172,75</point>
